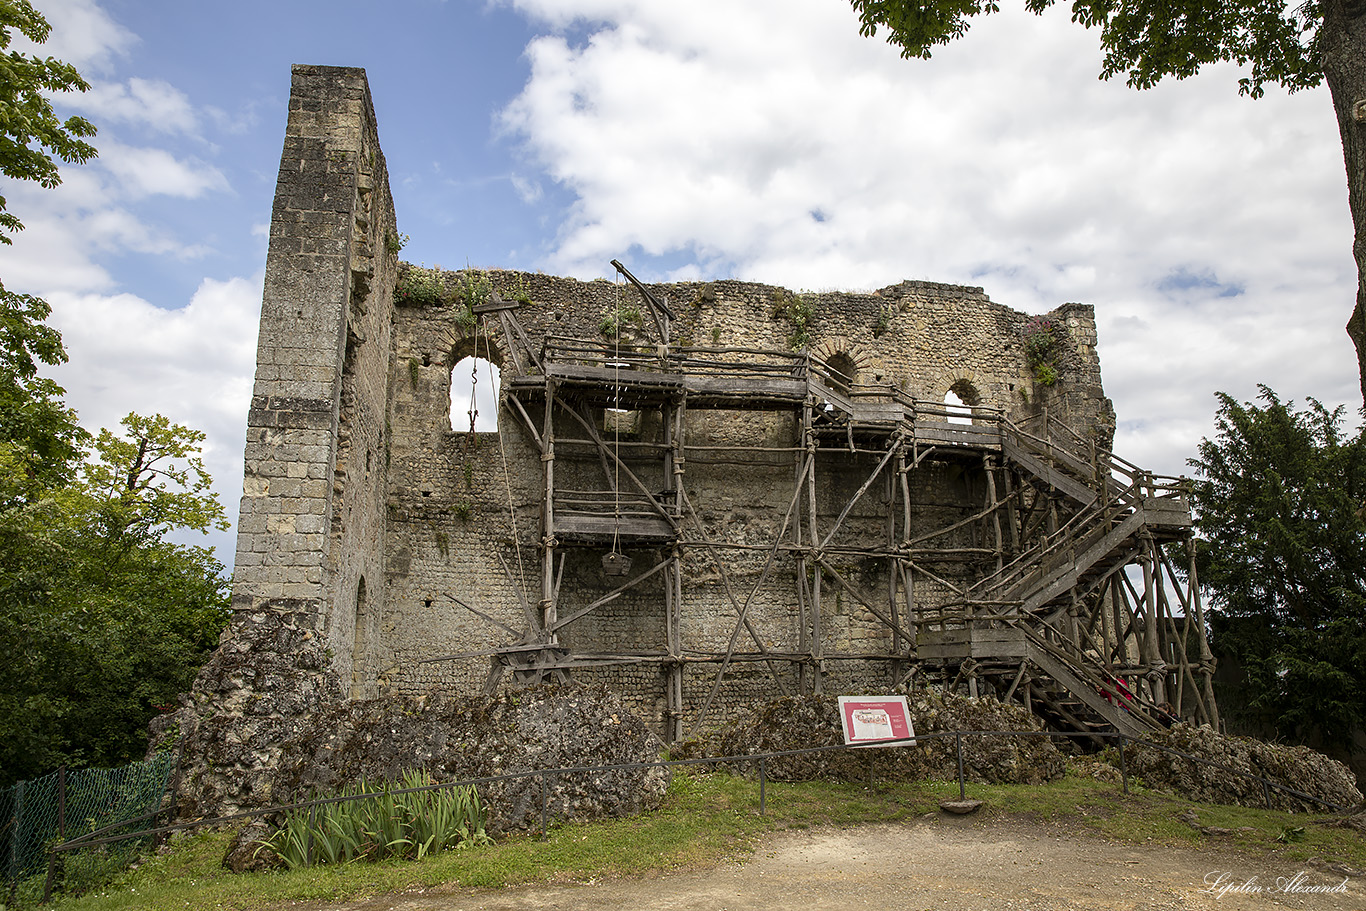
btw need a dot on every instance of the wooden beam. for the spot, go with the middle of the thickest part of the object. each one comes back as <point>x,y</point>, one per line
<point>512,347</point>
<point>893,625</point>
<point>612,595</point>
<point>474,610</point>
<point>894,446</point>
<point>631,475</point>
<point>730,591</point>
<point>526,419</point>
<point>744,608</point>
<point>521,596</point>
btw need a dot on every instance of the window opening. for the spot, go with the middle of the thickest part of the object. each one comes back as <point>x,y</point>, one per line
<point>843,372</point>
<point>474,395</point>
<point>358,642</point>
<point>958,410</point>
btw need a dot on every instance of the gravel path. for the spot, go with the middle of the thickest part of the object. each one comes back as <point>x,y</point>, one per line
<point>941,862</point>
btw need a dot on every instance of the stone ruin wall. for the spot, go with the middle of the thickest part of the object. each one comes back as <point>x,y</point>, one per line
<point>311,525</point>
<point>445,526</point>
<point>358,518</point>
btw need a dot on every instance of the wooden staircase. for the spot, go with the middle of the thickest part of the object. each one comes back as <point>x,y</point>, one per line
<point>1021,612</point>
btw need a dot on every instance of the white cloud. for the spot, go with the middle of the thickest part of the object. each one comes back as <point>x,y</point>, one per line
<point>193,364</point>
<point>149,102</point>
<point>69,230</point>
<point>82,34</point>
<point>768,140</point>
<point>149,171</point>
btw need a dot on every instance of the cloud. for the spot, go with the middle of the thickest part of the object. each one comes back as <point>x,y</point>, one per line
<point>193,364</point>
<point>145,102</point>
<point>82,34</point>
<point>1209,230</point>
<point>71,229</point>
<point>150,171</point>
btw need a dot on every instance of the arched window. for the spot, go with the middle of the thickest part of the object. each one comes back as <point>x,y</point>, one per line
<point>843,372</point>
<point>960,400</point>
<point>474,377</point>
<point>959,412</point>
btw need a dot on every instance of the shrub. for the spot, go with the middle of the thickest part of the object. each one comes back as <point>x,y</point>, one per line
<point>382,824</point>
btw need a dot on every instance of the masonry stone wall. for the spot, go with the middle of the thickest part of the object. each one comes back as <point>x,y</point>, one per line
<point>311,525</point>
<point>453,494</point>
<point>409,550</point>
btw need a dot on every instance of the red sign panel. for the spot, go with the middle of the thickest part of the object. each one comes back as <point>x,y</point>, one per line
<point>875,720</point>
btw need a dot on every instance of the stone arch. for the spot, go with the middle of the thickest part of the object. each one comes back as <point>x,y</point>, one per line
<point>960,399</point>
<point>843,371</point>
<point>846,359</point>
<point>476,369</point>
<point>966,391</point>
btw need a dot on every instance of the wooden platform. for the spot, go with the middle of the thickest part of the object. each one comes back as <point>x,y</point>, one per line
<point>956,645</point>
<point>596,530</point>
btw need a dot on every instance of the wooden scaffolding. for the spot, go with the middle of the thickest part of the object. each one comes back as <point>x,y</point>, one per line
<point>1074,591</point>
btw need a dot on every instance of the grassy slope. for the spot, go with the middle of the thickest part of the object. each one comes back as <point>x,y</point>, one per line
<point>707,819</point>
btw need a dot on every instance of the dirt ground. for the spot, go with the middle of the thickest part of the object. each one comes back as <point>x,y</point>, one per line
<point>938,862</point>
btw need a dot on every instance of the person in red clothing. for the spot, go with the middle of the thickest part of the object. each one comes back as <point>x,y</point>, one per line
<point>1117,692</point>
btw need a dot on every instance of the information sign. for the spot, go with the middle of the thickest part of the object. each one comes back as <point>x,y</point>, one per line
<point>874,720</point>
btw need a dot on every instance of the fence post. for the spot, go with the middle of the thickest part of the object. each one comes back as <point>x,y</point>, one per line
<point>61,801</point>
<point>763,780</point>
<point>51,875</point>
<point>1266,793</point>
<point>1123,765</point>
<point>545,799</point>
<point>308,842</point>
<point>962,787</point>
<point>16,837</point>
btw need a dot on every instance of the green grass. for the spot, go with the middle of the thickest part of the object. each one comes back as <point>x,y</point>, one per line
<point>707,819</point>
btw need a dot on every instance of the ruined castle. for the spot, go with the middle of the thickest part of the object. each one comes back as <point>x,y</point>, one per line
<point>698,494</point>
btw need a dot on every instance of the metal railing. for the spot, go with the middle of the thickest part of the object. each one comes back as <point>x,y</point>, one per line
<point>759,762</point>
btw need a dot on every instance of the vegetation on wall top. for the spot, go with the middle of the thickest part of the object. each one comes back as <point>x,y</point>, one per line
<point>800,311</point>
<point>1043,338</point>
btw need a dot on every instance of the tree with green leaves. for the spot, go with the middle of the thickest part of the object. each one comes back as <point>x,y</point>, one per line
<point>1296,46</point>
<point>103,621</point>
<point>30,132</point>
<point>1280,496</point>
<point>41,431</point>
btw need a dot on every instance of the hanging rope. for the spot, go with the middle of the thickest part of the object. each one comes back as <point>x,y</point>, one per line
<point>616,424</point>
<point>502,454</point>
<point>474,386</point>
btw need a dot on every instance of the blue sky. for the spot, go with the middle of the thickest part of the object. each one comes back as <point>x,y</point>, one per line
<point>762,140</point>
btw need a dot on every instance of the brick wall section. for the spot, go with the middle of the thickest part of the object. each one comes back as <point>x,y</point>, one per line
<point>366,518</point>
<point>311,516</point>
<point>449,516</point>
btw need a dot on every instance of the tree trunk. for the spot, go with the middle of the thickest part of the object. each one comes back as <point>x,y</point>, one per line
<point>1343,42</point>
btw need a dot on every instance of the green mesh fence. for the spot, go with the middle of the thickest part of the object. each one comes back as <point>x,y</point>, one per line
<point>68,804</point>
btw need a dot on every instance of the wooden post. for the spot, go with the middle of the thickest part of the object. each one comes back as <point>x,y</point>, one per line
<point>673,591</point>
<point>680,416</point>
<point>1107,641</point>
<point>1206,657</point>
<point>892,606</point>
<point>992,503</point>
<point>1121,639</point>
<point>1151,656</point>
<point>809,441</point>
<point>1012,512</point>
<point>804,673</point>
<point>548,537</point>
